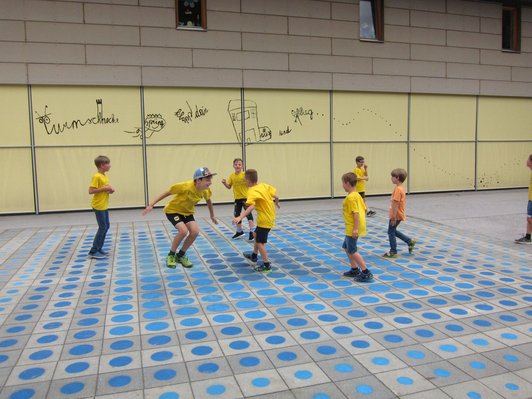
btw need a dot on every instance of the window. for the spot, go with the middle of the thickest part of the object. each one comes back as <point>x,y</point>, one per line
<point>371,20</point>
<point>191,14</point>
<point>511,28</point>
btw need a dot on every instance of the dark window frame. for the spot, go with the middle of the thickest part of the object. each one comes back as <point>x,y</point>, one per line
<point>511,28</point>
<point>202,15</point>
<point>377,16</point>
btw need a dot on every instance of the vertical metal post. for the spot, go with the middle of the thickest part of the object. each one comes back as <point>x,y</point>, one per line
<point>331,143</point>
<point>33,156</point>
<point>475,186</point>
<point>144,149</point>
<point>243,127</point>
<point>408,141</point>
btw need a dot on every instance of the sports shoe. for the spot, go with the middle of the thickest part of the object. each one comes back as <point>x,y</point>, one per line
<point>184,261</point>
<point>371,213</point>
<point>103,252</point>
<point>237,234</point>
<point>96,255</point>
<point>352,272</point>
<point>170,261</point>
<point>249,255</point>
<point>251,236</point>
<point>523,240</point>
<point>263,269</point>
<point>389,255</point>
<point>364,277</point>
<point>411,246</point>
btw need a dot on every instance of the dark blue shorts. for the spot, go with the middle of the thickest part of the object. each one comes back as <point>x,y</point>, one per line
<point>350,244</point>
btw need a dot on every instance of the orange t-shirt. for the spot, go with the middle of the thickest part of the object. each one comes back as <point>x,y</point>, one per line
<point>399,196</point>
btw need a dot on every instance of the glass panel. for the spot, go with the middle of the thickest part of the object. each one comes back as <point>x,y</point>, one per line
<point>367,20</point>
<point>189,12</point>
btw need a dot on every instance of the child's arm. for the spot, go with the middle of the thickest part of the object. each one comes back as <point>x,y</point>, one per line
<point>356,219</point>
<point>94,190</point>
<point>244,214</point>
<point>224,182</point>
<point>276,200</point>
<point>394,209</point>
<point>211,211</point>
<point>159,198</point>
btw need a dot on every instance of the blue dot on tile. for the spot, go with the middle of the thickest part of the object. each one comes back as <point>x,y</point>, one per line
<point>208,368</point>
<point>216,390</point>
<point>31,373</point>
<point>261,382</point>
<point>364,389</point>
<point>119,380</point>
<point>249,361</point>
<point>343,368</point>
<point>164,374</point>
<point>77,367</point>
<point>72,387</point>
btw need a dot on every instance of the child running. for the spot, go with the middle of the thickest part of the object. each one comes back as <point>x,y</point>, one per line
<point>262,197</point>
<point>397,214</point>
<point>180,212</point>
<point>240,193</point>
<point>354,211</point>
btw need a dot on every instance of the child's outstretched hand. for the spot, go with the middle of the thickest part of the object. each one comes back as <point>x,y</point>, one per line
<point>147,210</point>
<point>237,220</point>
<point>214,220</point>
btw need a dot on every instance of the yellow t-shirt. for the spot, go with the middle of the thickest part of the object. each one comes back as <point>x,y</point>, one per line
<point>353,203</point>
<point>361,184</point>
<point>399,195</point>
<point>100,201</point>
<point>186,196</point>
<point>530,188</point>
<point>238,183</point>
<point>261,196</point>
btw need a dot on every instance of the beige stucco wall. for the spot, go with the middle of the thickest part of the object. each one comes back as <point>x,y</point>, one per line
<point>437,46</point>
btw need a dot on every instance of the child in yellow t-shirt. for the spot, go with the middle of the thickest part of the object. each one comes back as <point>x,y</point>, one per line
<point>263,198</point>
<point>100,189</point>
<point>361,172</point>
<point>397,214</point>
<point>240,193</point>
<point>180,212</point>
<point>354,211</point>
<point>526,238</point>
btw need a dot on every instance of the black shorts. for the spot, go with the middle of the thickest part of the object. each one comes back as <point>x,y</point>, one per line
<point>176,218</point>
<point>239,205</point>
<point>261,235</point>
<point>362,194</point>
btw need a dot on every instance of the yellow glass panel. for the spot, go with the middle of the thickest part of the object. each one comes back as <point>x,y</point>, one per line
<point>65,116</point>
<point>189,115</point>
<point>168,165</point>
<point>370,116</point>
<point>443,118</point>
<point>503,119</point>
<point>14,112</point>
<point>296,170</point>
<point>381,159</point>
<point>287,116</point>
<point>442,166</point>
<point>64,175</point>
<point>16,188</point>
<point>503,165</point>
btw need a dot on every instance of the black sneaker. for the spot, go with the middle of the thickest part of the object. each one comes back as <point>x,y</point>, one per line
<point>523,240</point>
<point>238,234</point>
<point>364,277</point>
<point>249,255</point>
<point>263,269</point>
<point>371,213</point>
<point>251,236</point>
<point>352,273</point>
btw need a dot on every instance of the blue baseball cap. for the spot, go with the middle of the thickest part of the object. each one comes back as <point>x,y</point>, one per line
<point>200,173</point>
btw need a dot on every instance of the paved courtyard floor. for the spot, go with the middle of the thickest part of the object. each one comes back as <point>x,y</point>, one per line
<point>451,320</point>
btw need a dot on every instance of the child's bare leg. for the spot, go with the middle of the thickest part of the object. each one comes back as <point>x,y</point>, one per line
<point>193,232</point>
<point>356,260</point>
<point>262,250</point>
<point>181,234</point>
<point>529,225</point>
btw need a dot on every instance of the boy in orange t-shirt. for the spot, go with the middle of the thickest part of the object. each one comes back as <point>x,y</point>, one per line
<point>397,214</point>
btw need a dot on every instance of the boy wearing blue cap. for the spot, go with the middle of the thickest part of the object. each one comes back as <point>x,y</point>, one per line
<point>180,212</point>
